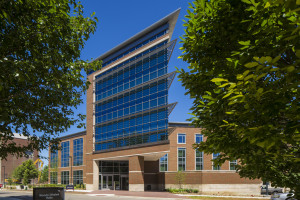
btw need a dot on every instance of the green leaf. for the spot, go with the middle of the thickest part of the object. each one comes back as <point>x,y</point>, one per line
<point>245,43</point>
<point>267,5</point>
<point>260,90</point>
<point>221,86</point>
<point>239,77</point>
<point>251,64</point>
<point>207,97</point>
<point>227,95</point>
<point>218,80</point>
<point>236,96</point>
<point>248,77</point>
<point>290,68</point>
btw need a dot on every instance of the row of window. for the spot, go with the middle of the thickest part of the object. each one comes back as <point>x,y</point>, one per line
<point>133,140</point>
<point>181,161</point>
<point>128,83</point>
<point>127,62</point>
<point>156,120</point>
<point>181,138</point>
<point>136,102</point>
<point>181,156</point>
<point>146,66</point>
<point>65,177</point>
<point>65,154</point>
<point>136,45</point>
<point>130,97</point>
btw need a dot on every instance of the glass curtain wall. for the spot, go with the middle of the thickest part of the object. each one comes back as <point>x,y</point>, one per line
<point>131,105</point>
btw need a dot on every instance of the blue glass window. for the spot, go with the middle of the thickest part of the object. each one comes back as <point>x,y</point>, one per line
<point>78,152</point>
<point>198,138</point>
<point>181,138</point>
<point>215,155</point>
<point>163,163</point>
<point>65,153</point>
<point>54,159</point>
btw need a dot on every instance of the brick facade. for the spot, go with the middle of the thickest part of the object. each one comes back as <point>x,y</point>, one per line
<point>144,166</point>
<point>13,162</point>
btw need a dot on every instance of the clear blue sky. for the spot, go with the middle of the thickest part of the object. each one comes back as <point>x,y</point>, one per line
<point>118,21</point>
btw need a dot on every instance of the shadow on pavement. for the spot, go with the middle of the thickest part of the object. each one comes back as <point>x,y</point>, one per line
<point>23,197</point>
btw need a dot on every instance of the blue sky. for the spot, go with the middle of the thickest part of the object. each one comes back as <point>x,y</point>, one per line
<point>118,21</point>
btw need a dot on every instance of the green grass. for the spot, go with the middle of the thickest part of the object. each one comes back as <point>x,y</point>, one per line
<point>222,198</point>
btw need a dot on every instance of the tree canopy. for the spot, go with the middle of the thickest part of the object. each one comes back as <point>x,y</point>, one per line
<point>41,79</point>
<point>25,172</point>
<point>244,78</point>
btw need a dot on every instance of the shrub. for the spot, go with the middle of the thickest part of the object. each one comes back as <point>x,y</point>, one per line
<point>171,190</point>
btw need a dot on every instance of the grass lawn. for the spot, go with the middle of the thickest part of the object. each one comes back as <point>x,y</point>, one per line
<point>222,198</point>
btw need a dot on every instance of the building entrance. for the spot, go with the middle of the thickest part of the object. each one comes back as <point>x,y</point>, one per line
<point>113,175</point>
<point>107,182</point>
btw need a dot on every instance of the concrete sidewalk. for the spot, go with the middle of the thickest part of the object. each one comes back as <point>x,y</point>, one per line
<point>135,194</point>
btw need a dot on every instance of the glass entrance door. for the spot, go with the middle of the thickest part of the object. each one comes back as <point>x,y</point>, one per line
<point>124,183</point>
<point>107,182</point>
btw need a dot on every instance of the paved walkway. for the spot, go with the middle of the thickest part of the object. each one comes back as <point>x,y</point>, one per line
<point>136,194</point>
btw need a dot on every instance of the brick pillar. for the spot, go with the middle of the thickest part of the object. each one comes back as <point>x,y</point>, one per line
<point>136,173</point>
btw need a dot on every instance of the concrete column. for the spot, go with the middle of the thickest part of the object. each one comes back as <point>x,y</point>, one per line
<point>95,175</point>
<point>136,173</point>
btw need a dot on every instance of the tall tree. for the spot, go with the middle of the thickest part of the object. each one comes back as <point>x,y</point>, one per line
<point>244,77</point>
<point>25,172</point>
<point>45,174</point>
<point>41,79</point>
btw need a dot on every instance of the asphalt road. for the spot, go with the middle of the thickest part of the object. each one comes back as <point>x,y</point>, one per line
<point>27,195</point>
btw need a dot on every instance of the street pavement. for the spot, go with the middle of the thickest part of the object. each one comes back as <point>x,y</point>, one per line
<point>27,195</point>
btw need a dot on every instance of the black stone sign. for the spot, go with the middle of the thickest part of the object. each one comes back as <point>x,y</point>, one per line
<point>49,193</point>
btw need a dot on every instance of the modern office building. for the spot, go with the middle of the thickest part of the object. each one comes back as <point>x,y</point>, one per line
<point>129,143</point>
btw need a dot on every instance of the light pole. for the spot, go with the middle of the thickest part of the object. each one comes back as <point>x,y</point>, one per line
<point>71,170</point>
<point>4,176</point>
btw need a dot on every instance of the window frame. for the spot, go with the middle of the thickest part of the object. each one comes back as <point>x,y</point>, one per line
<point>167,163</point>
<point>181,134</point>
<point>196,161</point>
<point>76,158</point>
<point>181,148</point>
<point>198,134</point>
<point>233,161</point>
<point>61,177</point>
<point>62,161</point>
<point>218,167</point>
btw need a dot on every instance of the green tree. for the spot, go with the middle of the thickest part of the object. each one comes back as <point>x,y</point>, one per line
<point>10,181</point>
<point>25,172</point>
<point>180,178</point>
<point>41,79</point>
<point>244,78</point>
<point>45,174</point>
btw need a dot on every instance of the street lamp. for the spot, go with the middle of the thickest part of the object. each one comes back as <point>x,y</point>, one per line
<point>4,176</point>
<point>71,170</point>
